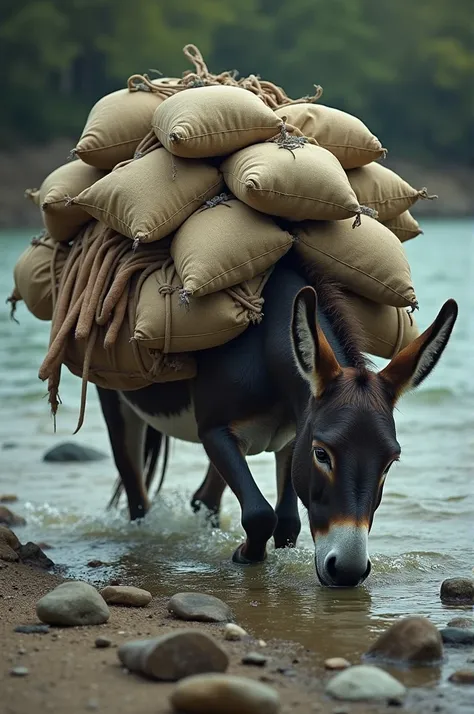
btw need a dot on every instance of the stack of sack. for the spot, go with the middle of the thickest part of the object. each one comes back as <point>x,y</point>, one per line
<point>182,195</point>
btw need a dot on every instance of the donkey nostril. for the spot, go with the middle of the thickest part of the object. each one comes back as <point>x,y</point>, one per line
<point>331,569</point>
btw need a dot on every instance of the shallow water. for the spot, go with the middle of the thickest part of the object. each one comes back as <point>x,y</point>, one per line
<point>423,531</point>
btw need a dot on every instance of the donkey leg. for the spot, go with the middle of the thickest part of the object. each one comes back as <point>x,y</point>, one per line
<point>127,438</point>
<point>258,517</point>
<point>209,495</point>
<point>289,524</point>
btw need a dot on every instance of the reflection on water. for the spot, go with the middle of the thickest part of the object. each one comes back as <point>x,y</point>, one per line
<point>422,533</point>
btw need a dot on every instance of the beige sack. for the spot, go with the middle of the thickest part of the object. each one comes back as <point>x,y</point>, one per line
<point>34,195</point>
<point>213,121</point>
<point>164,322</point>
<point>32,275</point>
<point>127,365</point>
<point>305,183</point>
<point>404,226</point>
<point>382,189</point>
<point>115,126</point>
<point>369,261</point>
<point>387,329</point>
<point>62,220</point>
<point>342,134</point>
<point>222,246</point>
<point>150,197</point>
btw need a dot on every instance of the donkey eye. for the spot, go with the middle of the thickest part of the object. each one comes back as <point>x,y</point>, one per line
<point>322,456</point>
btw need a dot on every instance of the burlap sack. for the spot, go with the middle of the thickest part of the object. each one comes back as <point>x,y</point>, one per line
<point>382,189</point>
<point>369,261</point>
<point>303,183</point>
<point>62,220</point>
<point>115,126</point>
<point>127,365</point>
<point>164,322</point>
<point>33,274</point>
<point>213,121</point>
<point>150,197</point>
<point>387,329</point>
<point>342,134</point>
<point>34,195</point>
<point>223,246</point>
<point>404,226</point>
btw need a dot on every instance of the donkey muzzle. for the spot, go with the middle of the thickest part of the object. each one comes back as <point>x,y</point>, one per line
<point>341,556</point>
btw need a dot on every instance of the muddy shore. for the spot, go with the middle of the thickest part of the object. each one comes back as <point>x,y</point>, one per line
<point>66,672</point>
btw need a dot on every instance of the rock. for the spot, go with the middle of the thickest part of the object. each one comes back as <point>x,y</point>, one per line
<point>364,682</point>
<point>102,642</point>
<point>72,452</point>
<point>8,498</point>
<point>462,676</point>
<point>457,590</point>
<point>410,640</point>
<point>199,607</point>
<point>174,656</point>
<point>9,545</point>
<point>234,633</point>
<point>31,554</point>
<point>224,694</point>
<point>255,658</point>
<point>8,518</point>
<point>95,564</point>
<point>467,623</point>
<point>126,595</point>
<point>20,671</point>
<point>33,629</point>
<point>335,663</point>
<point>457,636</point>
<point>44,546</point>
<point>73,603</point>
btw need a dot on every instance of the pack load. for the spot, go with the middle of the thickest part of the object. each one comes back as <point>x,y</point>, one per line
<point>186,192</point>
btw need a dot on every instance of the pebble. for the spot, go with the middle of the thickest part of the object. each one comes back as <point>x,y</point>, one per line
<point>173,656</point>
<point>457,590</point>
<point>255,658</point>
<point>364,682</point>
<point>199,607</point>
<point>126,595</point>
<point>261,643</point>
<point>462,676</point>
<point>337,663</point>
<point>224,694</point>
<point>234,633</point>
<point>411,639</point>
<point>33,629</point>
<point>8,518</point>
<point>19,671</point>
<point>8,498</point>
<point>70,451</point>
<point>95,564</point>
<point>457,636</point>
<point>73,603</point>
<point>92,704</point>
<point>467,623</point>
<point>102,642</point>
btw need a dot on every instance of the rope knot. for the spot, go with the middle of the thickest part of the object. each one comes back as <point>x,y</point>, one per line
<point>166,289</point>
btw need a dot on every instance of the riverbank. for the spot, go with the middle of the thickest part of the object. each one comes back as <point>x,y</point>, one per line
<point>28,166</point>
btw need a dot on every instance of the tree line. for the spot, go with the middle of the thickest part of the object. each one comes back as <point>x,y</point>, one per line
<point>405,68</point>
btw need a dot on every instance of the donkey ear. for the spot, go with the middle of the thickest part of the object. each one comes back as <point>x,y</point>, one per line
<point>414,363</point>
<point>314,356</point>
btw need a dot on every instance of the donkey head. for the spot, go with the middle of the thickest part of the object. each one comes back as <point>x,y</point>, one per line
<point>346,441</point>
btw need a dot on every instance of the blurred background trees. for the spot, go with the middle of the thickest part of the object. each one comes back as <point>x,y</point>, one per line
<point>404,67</point>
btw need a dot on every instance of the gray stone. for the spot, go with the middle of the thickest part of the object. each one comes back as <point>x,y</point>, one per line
<point>173,656</point>
<point>72,452</point>
<point>19,671</point>
<point>102,642</point>
<point>126,595</point>
<point>364,682</point>
<point>462,676</point>
<point>8,518</point>
<point>199,607</point>
<point>457,636</point>
<point>234,633</point>
<point>33,629</point>
<point>255,658</point>
<point>457,591</point>
<point>410,640</point>
<point>467,623</point>
<point>224,694</point>
<point>31,554</point>
<point>73,603</point>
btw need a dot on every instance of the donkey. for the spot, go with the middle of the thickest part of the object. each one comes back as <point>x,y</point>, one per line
<point>297,385</point>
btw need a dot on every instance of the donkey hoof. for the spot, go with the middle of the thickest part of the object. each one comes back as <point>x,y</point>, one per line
<point>242,559</point>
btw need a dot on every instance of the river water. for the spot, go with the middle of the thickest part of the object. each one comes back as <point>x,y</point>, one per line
<point>423,531</point>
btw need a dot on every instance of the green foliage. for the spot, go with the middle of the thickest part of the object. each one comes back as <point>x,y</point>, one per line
<point>405,67</point>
